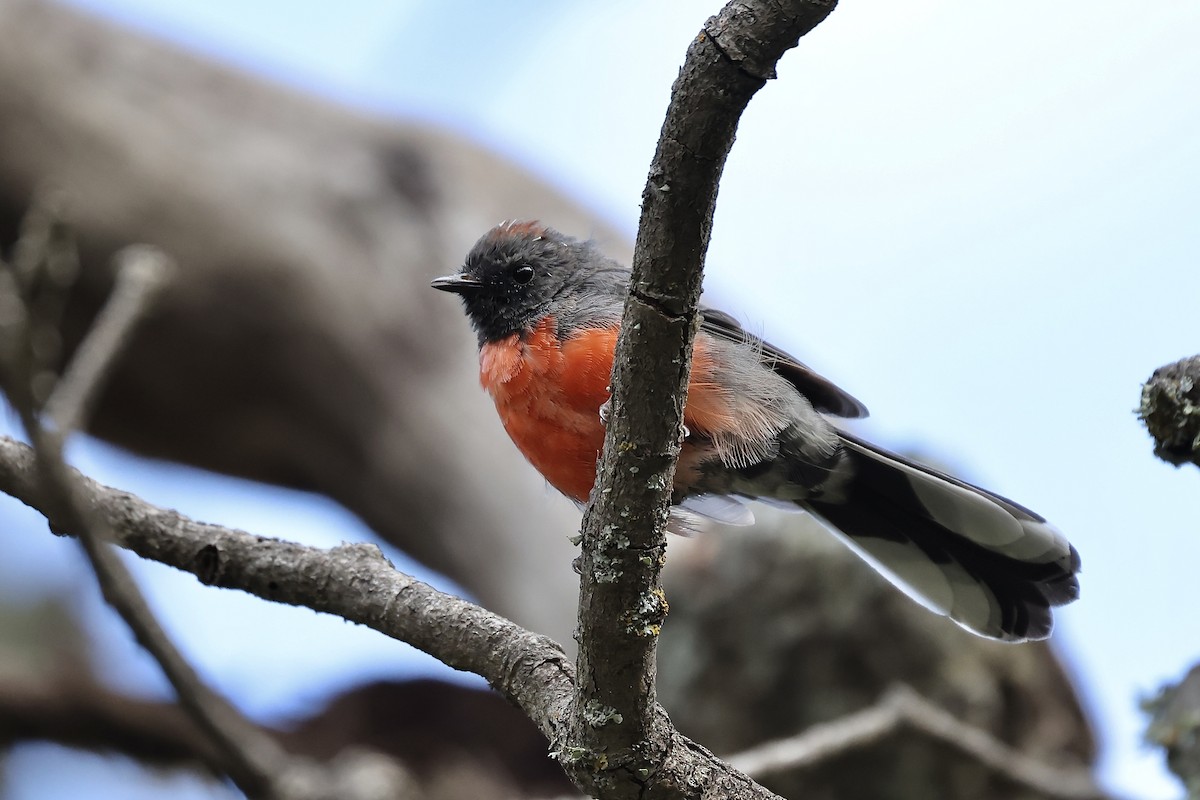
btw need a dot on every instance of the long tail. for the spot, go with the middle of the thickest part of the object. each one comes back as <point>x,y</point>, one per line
<point>989,564</point>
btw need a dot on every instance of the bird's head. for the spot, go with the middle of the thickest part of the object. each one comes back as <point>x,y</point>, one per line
<point>512,277</point>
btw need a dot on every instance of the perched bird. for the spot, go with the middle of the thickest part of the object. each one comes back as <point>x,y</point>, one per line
<point>547,307</point>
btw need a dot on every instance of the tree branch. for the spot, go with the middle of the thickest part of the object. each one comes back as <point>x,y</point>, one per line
<point>141,272</point>
<point>33,294</point>
<point>1170,409</point>
<point>902,708</point>
<point>253,760</point>
<point>78,712</point>
<point>356,583</point>
<point>608,730</point>
<point>619,736</point>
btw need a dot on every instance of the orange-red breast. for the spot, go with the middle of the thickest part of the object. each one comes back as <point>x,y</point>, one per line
<point>546,309</point>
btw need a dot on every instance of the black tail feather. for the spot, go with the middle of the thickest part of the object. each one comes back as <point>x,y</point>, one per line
<point>997,568</point>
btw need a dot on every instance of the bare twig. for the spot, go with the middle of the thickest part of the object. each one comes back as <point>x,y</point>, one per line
<point>619,737</point>
<point>141,271</point>
<point>902,708</point>
<point>1170,409</point>
<point>33,291</point>
<point>32,295</point>
<point>251,758</point>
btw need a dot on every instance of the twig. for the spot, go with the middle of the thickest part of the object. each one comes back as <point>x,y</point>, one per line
<point>252,759</point>
<point>821,741</point>
<point>33,291</point>
<point>141,271</point>
<point>619,737</point>
<point>903,708</point>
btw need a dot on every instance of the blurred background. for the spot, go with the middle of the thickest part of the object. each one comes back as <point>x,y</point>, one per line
<point>978,219</point>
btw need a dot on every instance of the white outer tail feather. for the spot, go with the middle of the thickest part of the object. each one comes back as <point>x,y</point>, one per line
<point>989,564</point>
<point>992,566</point>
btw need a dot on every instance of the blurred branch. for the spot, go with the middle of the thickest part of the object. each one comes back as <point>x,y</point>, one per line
<point>900,709</point>
<point>620,742</point>
<point>251,759</point>
<point>32,293</point>
<point>81,713</point>
<point>141,272</point>
<point>435,729</point>
<point>1170,409</point>
<point>1175,726</point>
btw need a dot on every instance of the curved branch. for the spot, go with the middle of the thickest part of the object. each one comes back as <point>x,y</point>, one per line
<point>619,736</point>
<point>356,583</point>
<point>1170,409</point>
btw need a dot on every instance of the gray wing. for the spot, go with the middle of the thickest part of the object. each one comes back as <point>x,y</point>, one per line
<point>824,395</point>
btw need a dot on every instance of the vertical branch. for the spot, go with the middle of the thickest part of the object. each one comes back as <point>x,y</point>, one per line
<point>617,735</point>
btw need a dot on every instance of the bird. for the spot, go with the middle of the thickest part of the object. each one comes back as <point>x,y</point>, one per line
<point>546,309</point>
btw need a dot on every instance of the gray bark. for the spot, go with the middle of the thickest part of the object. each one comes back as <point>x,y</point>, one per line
<point>619,738</point>
<point>356,583</point>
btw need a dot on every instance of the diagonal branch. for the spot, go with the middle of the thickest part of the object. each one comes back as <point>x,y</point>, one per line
<point>252,759</point>
<point>619,736</point>
<point>32,293</point>
<point>356,583</point>
<point>141,272</point>
<point>902,708</point>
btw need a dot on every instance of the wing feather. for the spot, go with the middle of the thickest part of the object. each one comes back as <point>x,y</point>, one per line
<point>824,395</point>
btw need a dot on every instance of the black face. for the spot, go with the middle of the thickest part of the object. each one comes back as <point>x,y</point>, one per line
<point>511,277</point>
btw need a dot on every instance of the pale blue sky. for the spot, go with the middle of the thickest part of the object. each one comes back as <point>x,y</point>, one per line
<point>978,218</point>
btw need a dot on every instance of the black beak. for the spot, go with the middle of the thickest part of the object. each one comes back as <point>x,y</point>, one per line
<point>457,283</point>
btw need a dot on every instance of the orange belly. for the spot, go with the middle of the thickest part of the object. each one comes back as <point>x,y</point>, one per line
<point>548,396</point>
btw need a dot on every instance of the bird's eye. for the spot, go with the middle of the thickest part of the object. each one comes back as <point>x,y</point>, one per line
<point>523,273</point>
